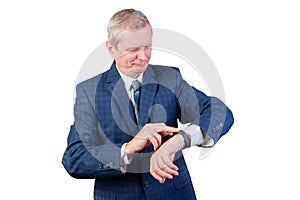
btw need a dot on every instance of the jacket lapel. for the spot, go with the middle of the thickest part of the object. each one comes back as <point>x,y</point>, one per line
<point>121,106</point>
<point>122,110</point>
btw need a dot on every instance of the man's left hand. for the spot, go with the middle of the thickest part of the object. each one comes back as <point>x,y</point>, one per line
<point>161,162</point>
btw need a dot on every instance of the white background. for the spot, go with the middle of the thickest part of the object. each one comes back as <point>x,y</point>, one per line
<point>254,45</point>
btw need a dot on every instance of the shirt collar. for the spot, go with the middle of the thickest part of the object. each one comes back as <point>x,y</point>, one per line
<point>128,80</point>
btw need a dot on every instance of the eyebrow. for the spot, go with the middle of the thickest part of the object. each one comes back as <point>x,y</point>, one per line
<point>137,47</point>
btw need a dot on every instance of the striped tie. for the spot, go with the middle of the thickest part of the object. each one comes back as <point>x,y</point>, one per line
<point>136,86</point>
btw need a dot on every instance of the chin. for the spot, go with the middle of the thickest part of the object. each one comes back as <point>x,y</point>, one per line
<point>142,68</point>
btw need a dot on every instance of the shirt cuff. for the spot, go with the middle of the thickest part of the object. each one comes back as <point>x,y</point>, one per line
<point>125,159</point>
<point>208,141</point>
<point>195,132</point>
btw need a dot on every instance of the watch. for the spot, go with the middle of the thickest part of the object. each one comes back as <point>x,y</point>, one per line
<point>187,139</point>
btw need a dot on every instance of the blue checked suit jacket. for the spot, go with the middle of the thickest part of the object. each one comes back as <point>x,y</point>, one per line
<point>104,121</point>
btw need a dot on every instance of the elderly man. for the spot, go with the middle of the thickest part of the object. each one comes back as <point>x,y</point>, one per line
<point>125,133</point>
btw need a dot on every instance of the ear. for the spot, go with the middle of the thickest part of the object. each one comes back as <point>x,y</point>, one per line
<point>111,49</point>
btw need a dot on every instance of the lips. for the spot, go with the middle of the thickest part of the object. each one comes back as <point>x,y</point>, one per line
<point>140,64</point>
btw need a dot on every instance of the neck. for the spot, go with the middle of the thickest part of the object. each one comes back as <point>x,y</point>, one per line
<point>128,73</point>
<point>131,75</point>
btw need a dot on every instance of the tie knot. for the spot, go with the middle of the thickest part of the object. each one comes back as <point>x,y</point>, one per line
<point>136,84</point>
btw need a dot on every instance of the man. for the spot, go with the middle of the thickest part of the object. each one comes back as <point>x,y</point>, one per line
<point>125,133</point>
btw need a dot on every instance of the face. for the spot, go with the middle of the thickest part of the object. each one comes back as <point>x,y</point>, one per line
<point>133,51</point>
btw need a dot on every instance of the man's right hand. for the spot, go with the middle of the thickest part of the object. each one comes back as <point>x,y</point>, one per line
<point>149,134</point>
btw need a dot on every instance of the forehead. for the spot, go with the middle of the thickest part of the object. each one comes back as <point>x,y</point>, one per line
<point>135,38</point>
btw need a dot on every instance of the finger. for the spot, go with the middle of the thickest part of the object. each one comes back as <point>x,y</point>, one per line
<point>154,142</point>
<point>173,167</point>
<point>163,174</point>
<point>162,128</point>
<point>169,166</point>
<point>155,139</point>
<point>161,169</point>
<point>157,177</point>
<point>165,133</point>
<point>168,161</point>
<point>171,171</point>
<point>168,129</point>
<point>154,169</point>
<point>158,138</point>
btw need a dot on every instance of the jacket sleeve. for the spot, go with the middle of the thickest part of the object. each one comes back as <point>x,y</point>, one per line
<point>89,154</point>
<point>210,113</point>
<point>80,163</point>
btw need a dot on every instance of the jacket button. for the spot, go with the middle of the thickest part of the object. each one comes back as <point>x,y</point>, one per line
<point>110,164</point>
<point>217,128</point>
<point>107,165</point>
<point>100,165</point>
<point>146,184</point>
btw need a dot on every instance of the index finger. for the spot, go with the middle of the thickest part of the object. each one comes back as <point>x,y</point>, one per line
<point>168,129</point>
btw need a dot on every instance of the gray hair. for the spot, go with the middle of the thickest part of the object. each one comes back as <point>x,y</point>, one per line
<point>127,19</point>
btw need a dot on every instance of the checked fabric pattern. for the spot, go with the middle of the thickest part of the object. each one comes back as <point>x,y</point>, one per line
<point>103,114</point>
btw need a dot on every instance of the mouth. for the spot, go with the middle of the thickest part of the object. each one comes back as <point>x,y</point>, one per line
<point>140,64</point>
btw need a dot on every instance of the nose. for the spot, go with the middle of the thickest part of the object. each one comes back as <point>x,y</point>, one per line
<point>142,54</point>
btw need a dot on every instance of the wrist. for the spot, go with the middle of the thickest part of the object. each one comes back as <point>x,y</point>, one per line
<point>179,141</point>
<point>186,138</point>
<point>128,149</point>
<point>173,145</point>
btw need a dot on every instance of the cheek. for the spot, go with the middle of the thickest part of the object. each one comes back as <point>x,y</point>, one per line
<point>126,58</point>
<point>148,53</point>
<point>131,58</point>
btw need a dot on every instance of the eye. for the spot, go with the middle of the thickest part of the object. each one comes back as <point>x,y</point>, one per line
<point>133,49</point>
<point>148,47</point>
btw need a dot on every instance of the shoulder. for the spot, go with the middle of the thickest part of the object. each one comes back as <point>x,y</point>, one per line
<point>88,87</point>
<point>166,76</point>
<point>165,73</point>
<point>90,83</point>
<point>162,72</point>
<point>165,68</point>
